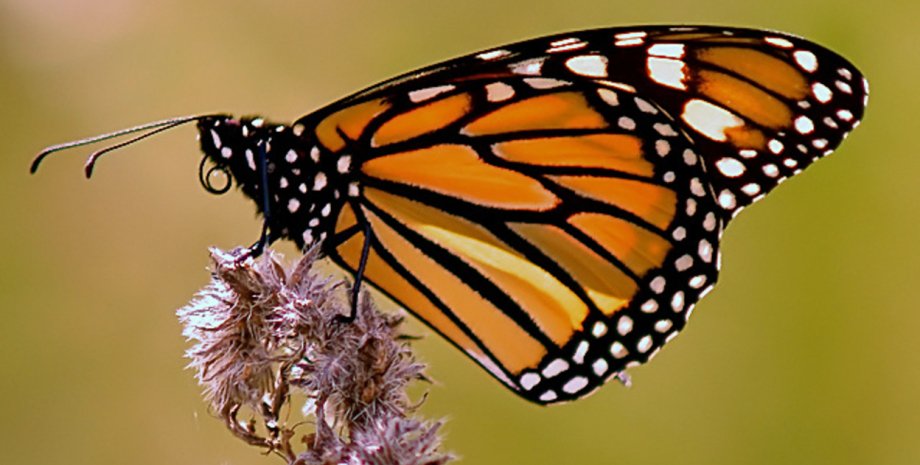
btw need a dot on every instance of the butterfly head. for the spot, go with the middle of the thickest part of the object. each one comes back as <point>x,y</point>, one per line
<point>238,147</point>
<point>277,168</point>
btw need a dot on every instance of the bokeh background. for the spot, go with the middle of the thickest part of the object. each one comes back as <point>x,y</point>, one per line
<point>807,352</point>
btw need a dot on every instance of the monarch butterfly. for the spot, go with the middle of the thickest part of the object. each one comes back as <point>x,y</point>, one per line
<point>553,207</point>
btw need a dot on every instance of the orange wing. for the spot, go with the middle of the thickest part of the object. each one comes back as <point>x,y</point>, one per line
<point>554,208</point>
<point>531,224</point>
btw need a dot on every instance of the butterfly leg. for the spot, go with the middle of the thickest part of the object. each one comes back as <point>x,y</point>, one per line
<point>359,278</point>
<point>256,249</point>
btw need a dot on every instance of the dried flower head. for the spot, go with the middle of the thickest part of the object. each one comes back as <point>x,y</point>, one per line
<point>265,336</point>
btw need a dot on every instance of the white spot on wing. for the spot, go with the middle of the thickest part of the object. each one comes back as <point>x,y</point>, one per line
<point>609,97</point>
<point>683,263</point>
<point>677,302</point>
<point>529,380</point>
<point>530,67</point>
<point>630,35</point>
<point>575,384</point>
<point>667,50</point>
<point>588,65</point>
<point>778,41</point>
<point>667,72</point>
<point>747,153</point>
<point>565,45</point>
<point>344,163</point>
<point>580,351</point>
<point>730,167</point>
<point>679,234</point>
<point>844,87</point>
<point>710,120</point>
<point>821,92</point>
<point>644,344</point>
<point>727,199</point>
<point>697,282</point>
<point>629,42</point>
<point>600,367</point>
<point>319,182</point>
<point>771,170</point>
<point>658,284</point>
<point>499,91</point>
<point>493,54</point>
<point>751,189</point>
<point>804,125</point>
<point>624,325</point>
<point>555,367</point>
<point>424,94</point>
<point>646,107</point>
<point>617,350</point>
<point>665,129</point>
<point>696,187</point>
<point>599,329</point>
<point>806,60</point>
<point>705,252</point>
<point>544,83</point>
<point>709,222</point>
<point>775,146</point>
<point>662,326</point>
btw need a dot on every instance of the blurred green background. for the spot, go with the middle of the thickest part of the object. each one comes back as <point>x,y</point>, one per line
<point>805,353</point>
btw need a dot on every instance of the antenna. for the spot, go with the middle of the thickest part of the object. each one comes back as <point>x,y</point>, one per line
<point>152,128</point>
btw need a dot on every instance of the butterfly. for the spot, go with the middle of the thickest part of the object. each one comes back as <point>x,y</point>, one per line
<point>553,207</point>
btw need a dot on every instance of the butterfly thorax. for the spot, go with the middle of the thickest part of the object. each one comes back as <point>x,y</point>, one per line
<point>306,186</point>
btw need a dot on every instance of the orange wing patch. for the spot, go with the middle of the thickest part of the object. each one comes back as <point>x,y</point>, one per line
<point>562,110</point>
<point>552,305</point>
<point>346,219</point>
<point>391,282</point>
<point>422,120</point>
<point>607,286</point>
<point>655,204</point>
<point>351,121</point>
<point>639,249</point>
<point>744,99</point>
<point>619,152</point>
<point>766,70</point>
<point>450,169</point>
<point>511,345</point>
